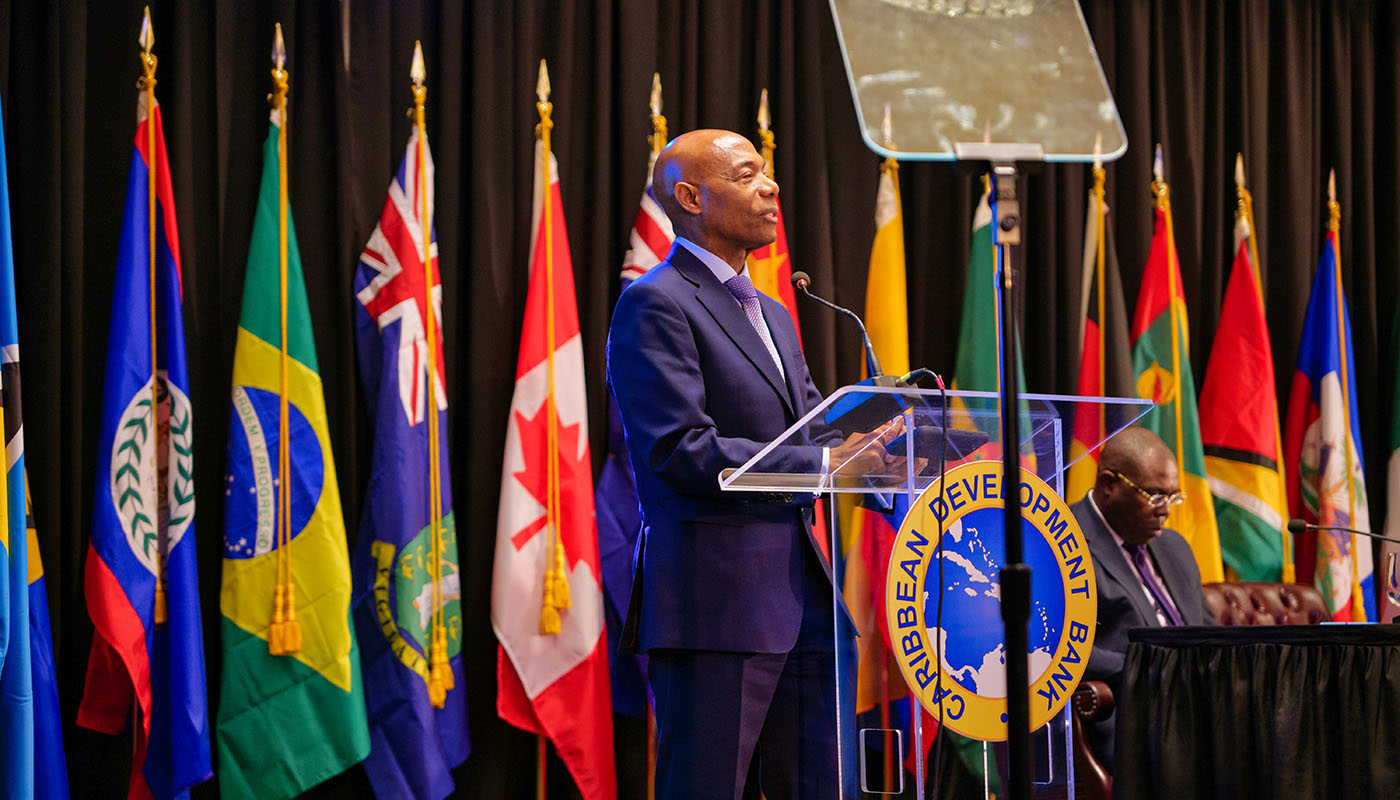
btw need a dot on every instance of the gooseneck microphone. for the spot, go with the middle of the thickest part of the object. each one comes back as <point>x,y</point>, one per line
<point>1297,526</point>
<point>800,280</point>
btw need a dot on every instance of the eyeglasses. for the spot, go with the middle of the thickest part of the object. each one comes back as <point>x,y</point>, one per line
<point>1154,500</point>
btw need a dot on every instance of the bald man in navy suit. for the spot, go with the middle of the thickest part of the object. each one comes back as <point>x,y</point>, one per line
<point>1145,572</point>
<point>731,597</point>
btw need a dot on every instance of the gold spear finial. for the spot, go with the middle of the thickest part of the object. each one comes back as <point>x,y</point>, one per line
<point>542,85</point>
<point>279,50</point>
<point>148,38</point>
<point>765,134</point>
<point>1239,171</point>
<point>1334,209</point>
<point>658,121</point>
<point>887,128</point>
<point>1098,153</point>
<point>1159,184</point>
<point>417,72</point>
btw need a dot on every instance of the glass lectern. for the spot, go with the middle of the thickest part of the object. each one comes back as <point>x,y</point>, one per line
<point>924,433</point>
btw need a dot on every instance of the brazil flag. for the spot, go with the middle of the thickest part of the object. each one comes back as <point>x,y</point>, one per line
<point>286,721</point>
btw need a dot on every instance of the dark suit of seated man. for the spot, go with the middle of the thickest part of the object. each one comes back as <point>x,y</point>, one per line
<point>1146,573</point>
<point>730,596</point>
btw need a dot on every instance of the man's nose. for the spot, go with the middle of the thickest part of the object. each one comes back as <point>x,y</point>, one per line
<point>769,187</point>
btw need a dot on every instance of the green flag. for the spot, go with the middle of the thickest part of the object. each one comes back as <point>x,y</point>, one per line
<point>979,335</point>
<point>291,713</point>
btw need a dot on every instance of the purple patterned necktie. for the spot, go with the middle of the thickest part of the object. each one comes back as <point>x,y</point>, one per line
<point>743,290</point>
<point>1158,592</point>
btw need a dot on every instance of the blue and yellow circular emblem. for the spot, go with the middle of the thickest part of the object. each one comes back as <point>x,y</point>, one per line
<point>971,680</point>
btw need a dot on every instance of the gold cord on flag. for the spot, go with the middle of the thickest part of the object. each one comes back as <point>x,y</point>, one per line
<point>284,636</point>
<point>1334,226</point>
<point>1159,188</point>
<point>556,581</point>
<point>147,84</point>
<point>1245,210</point>
<point>440,680</point>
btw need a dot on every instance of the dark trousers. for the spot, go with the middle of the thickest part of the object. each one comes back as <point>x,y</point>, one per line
<point>728,721</point>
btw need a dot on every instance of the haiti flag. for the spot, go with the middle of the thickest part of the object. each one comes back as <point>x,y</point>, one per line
<point>407,575</point>
<point>142,590</point>
<point>1322,436</point>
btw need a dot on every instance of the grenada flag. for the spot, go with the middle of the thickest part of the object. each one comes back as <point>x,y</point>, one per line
<point>1162,364</point>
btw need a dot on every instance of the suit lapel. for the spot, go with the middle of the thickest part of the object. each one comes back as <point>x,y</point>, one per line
<point>788,347</point>
<point>731,318</point>
<point>1116,565</point>
<point>1178,584</point>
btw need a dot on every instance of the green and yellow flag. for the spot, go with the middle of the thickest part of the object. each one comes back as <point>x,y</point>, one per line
<point>1162,366</point>
<point>978,367</point>
<point>292,708</point>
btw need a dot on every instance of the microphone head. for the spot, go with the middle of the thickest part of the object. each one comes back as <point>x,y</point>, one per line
<point>800,280</point>
<point>1297,526</point>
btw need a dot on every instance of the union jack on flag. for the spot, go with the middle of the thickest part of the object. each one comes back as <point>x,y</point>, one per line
<point>395,292</point>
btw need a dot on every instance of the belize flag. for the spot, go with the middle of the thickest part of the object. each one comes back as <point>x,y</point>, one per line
<point>142,592</point>
<point>407,590</point>
<point>1322,436</point>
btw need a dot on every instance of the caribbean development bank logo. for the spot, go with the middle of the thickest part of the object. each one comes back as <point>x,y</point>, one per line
<point>1064,600</point>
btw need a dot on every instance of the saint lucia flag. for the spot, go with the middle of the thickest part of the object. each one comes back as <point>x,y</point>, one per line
<point>408,589</point>
<point>286,721</point>
<point>140,580</point>
<point>1322,435</point>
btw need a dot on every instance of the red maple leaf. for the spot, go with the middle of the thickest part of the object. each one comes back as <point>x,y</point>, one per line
<point>534,445</point>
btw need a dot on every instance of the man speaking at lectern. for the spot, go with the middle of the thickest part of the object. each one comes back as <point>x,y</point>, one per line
<point>730,596</point>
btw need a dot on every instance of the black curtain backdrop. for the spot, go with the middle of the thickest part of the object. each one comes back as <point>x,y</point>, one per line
<point>1299,87</point>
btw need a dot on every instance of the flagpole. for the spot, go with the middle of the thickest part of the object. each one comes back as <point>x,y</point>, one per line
<point>284,636</point>
<point>658,143</point>
<point>440,680</point>
<point>147,84</point>
<point>1159,187</point>
<point>767,144</point>
<point>1246,209</point>
<point>1101,238</point>
<point>1334,227</point>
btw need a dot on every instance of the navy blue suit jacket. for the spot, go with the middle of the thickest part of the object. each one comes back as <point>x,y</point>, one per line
<point>699,392</point>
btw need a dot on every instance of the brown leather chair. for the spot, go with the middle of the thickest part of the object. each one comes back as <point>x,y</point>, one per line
<point>1249,603</point>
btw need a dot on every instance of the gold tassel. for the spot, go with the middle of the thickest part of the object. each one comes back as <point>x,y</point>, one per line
<point>442,669</point>
<point>292,640</point>
<point>276,633</point>
<point>561,578</point>
<point>549,614</point>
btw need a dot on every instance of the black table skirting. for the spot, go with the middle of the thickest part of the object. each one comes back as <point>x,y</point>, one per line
<point>1309,711</point>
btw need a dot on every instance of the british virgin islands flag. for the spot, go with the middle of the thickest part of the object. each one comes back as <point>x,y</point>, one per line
<point>140,582</point>
<point>407,576</point>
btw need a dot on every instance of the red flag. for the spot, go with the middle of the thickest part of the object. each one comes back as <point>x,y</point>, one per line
<point>546,595</point>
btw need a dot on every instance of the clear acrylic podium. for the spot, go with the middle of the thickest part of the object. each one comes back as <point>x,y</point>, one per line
<point>923,429</point>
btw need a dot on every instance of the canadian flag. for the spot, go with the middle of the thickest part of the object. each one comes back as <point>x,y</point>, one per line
<point>546,595</point>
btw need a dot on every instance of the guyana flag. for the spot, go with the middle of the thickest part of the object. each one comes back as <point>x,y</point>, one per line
<point>1162,365</point>
<point>1105,364</point>
<point>1240,427</point>
<point>286,721</point>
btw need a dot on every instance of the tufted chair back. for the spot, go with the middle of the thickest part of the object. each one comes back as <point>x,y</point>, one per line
<point>1265,603</point>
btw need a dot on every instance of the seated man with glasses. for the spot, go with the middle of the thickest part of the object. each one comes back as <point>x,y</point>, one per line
<point>1145,572</point>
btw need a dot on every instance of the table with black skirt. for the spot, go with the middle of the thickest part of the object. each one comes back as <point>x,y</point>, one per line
<point>1305,711</point>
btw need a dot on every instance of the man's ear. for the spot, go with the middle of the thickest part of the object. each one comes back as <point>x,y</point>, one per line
<point>688,197</point>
